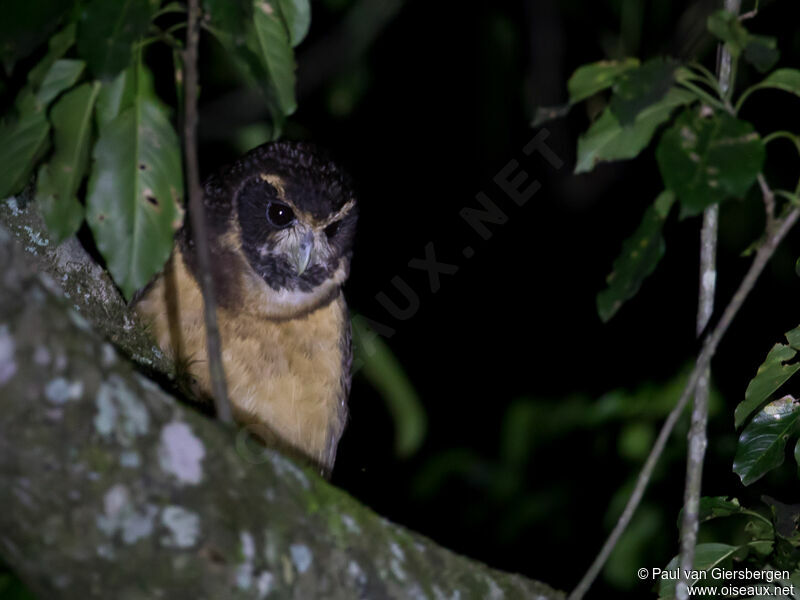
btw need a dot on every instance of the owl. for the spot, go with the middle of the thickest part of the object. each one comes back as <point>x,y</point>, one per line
<point>281,222</point>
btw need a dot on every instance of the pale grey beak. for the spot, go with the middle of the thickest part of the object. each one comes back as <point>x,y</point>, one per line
<point>301,255</point>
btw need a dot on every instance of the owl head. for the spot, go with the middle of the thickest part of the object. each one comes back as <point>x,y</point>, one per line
<point>281,220</point>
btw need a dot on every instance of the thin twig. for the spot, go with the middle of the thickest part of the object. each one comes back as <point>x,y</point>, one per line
<point>709,348</point>
<point>698,437</point>
<point>769,201</point>
<point>198,215</point>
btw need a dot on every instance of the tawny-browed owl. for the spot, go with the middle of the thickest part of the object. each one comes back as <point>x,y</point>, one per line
<point>281,222</point>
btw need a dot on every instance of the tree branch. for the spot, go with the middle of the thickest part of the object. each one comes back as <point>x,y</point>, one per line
<point>197,214</point>
<point>709,348</point>
<point>698,437</point>
<point>112,489</point>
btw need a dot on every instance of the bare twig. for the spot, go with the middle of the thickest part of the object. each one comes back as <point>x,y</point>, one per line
<point>709,348</point>
<point>198,216</point>
<point>698,437</point>
<point>769,201</point>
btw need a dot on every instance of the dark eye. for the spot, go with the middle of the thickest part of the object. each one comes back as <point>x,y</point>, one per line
<point>332,229</point>
<point>279,214</point>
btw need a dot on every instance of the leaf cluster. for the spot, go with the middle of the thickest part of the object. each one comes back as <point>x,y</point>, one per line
<point>90,126</point>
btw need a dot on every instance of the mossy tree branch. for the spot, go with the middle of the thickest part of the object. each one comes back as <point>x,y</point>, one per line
<point>112,489</point>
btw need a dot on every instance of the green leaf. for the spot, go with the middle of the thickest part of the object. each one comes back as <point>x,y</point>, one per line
<point>57,47</point>
<point>760,51</point>
<point>272,45</point>
<point>638,88</point>
<point>230,16</point>
<point>787,80</point>
<point>706,557</point>
<point>297,18</point>
<point>706,160</point>
<point>718,506</point>
<point>59,179</point>
<point>607,140</point>
<point>726,27</point>
<point>771,375</point>
<point>589,79</point>
<point>61,76</point>
<point>377,363</point>
<point>107,31</point>
<point>260,47</point>
<point>640,254</point>
<point>797,456</point>
<point>115,96</point>
<point>22,142</point>
<point>762,443</point>
<point>134,190</point>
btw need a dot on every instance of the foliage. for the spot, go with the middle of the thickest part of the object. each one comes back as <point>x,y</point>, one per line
<point>707,155</point>
<point>763,542</point>
<point>89,123</point>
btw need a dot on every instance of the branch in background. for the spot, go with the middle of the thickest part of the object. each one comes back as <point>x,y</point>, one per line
<point>769,201</point>
<point>763,255</point>
<point>111,489</point>
<point>698,436</point>
<point>198,216</point>
<point>89,288</point>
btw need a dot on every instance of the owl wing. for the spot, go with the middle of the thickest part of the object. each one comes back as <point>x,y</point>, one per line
<point>340,418</point>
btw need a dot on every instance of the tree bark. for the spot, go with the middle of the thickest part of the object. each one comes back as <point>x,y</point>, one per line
<point>110,488</point>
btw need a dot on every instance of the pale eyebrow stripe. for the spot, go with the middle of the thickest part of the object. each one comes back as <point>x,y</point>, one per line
<point>339,214</point>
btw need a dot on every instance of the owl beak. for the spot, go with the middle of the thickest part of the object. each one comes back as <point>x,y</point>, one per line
<point>301,255</point>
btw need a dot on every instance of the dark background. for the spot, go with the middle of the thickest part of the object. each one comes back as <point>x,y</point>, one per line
<point>539,416</point>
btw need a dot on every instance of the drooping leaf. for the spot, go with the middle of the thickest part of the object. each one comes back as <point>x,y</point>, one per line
<point>706,557</point>
<point>115,96</point>
<point>771,375</point>
<point>640,87</point>
<point>797,456</point>
<point>760,51</point>
<point>726,27</point>
<point>718,506</point>
<point>374,359</point>
<point>706,160</point>
<point>22,142</point>
<point>589,79</point>
<point>107,32</point>
<point>296,16</point>
<point>260,47</point>
<point>230,16</point>
<point>640,254</point>
<point>57,47</point>
<point>272,44</point>
<point>762,443</point>
<point>787,80</point>
<point>134,190</point>
<point>607,140</point>
<point>61,76</point>
<point>59,179</point>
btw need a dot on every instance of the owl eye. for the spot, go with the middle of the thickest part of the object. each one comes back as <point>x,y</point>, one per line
<point>279,214</point>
